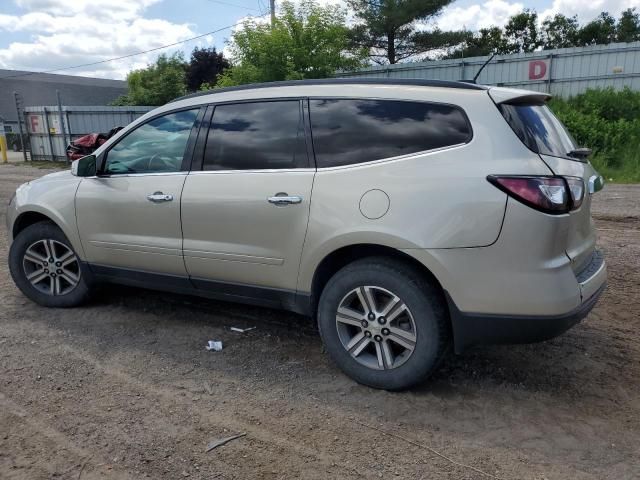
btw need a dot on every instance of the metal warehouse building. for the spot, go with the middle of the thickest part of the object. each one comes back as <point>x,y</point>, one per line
<point>563,72</point>
<point>40,89</point>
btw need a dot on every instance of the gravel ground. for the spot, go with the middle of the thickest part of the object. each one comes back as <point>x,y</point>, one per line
<point>123,388</point>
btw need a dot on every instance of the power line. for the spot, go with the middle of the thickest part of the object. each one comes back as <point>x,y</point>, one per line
<point>233,5</point>
<point>124,56</point>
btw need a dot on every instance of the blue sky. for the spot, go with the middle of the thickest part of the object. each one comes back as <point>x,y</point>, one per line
<point>46,34</point>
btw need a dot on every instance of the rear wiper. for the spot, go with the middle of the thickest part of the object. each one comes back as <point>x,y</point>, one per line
<point>580,153</point>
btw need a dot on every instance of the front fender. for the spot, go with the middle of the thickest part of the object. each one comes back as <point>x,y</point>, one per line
<point>54,197</point>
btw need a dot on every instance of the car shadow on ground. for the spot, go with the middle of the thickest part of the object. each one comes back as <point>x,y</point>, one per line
<point>560,367</point>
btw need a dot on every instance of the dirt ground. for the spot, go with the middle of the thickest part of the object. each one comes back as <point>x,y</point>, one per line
<point>124,389</point>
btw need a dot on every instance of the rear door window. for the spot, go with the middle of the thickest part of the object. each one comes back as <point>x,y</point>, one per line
<point>350,131</point>
<point>539,129</point>
<point>256,136</point>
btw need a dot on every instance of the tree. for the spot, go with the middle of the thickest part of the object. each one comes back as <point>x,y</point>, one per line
<point>560,32</point>
<point>521,32</point>
<point>628,27</point>
<point>310,41</point>
<point>205,65</point>
<point>157,84</point>
<point>389,29</point>
<point>600,31</point>
<point>484,42</point>
<point>487,41</point>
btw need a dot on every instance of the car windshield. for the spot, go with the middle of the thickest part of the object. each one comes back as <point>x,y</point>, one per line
<point>539,129</point>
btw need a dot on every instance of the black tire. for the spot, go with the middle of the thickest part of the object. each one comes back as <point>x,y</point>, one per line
<point>427,308</point>
<point>24,240</point>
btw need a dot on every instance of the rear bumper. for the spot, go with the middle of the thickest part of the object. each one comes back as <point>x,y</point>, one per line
<point>593,275</point>
<point>485,329</point>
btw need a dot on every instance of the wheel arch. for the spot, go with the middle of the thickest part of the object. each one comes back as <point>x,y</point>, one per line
<point>34,214</point>
<point>28,218</point>
<point>347,254</point>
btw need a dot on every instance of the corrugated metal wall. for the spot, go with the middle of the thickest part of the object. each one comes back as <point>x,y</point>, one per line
<point>49,140</point>
<point>563,72</point>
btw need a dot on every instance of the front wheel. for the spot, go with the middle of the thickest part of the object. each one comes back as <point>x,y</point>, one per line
<point>45,267</point>
<point>383,323</point>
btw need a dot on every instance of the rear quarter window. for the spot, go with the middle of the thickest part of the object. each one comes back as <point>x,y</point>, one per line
<point>539,129</point>
<point>351,131</point>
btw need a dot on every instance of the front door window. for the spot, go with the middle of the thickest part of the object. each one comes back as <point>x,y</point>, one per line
<point>157,146</point>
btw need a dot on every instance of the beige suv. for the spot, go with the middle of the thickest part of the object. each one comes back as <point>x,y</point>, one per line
<point>406,216</point>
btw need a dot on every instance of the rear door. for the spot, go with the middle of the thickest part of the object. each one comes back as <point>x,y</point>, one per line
<point>245,209</point>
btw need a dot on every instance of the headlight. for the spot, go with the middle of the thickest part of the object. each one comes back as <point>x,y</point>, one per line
<point>13,197</point>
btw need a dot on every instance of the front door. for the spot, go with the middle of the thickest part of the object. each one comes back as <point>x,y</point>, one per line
<point>129,215</point>
<point>245,213</point>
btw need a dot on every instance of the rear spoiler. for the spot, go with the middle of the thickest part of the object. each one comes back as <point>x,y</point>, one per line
<point>514,96</point>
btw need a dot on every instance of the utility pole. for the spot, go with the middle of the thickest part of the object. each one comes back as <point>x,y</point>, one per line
<point>20,113</point>
<point>272,4</point>
<point>3,142</point>
<point>62,126</point>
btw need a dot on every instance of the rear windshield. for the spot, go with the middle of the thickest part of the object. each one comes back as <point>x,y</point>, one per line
<point>539,129</point>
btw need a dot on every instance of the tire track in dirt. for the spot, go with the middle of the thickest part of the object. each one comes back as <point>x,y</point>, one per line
<point>268,436</point>
<point>123,378</point>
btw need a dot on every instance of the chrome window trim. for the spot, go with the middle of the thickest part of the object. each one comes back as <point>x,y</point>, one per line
<point>396,158</point>
<point>265,170</point>
<point>339,167</point>
<point>324,169</point>
<point>150,174</point>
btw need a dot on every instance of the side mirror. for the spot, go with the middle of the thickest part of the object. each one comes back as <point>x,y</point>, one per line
<point>84,167</point>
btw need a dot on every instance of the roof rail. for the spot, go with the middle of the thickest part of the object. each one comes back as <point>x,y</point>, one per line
<point>342,81</point>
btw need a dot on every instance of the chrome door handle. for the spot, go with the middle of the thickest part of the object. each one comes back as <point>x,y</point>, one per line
<point>158,197</point>
<point>284,199</point>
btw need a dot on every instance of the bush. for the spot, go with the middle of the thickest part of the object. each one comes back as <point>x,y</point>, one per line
<point>608,122</point>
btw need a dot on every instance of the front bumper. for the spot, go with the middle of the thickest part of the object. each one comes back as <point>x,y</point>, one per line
<point>10,217</point>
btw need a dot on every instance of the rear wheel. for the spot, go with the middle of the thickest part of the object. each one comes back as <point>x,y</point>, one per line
<point>383,323</point>
<point>45,267</point>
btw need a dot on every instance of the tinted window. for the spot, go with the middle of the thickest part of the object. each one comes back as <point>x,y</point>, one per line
<point>355,131</point>
<point>260,135</point>
<point>156,146</point>
<point>539,129</point>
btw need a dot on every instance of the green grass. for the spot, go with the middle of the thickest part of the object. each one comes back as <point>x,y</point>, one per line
<point>607,121</point>
<point>627,172</point>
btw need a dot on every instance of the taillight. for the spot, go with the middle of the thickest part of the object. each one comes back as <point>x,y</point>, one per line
<point>576,187</point>
<point>554,195</point>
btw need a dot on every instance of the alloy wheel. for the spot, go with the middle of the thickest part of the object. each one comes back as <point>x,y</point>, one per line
<point>376,327</point>
<point>51,267</point>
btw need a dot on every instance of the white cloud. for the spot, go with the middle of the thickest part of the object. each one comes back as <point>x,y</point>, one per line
<point>587,11</point>
<point>497,12</point>
<point>121,9</point>
<point>66,33</point>
<point>481,15</point>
